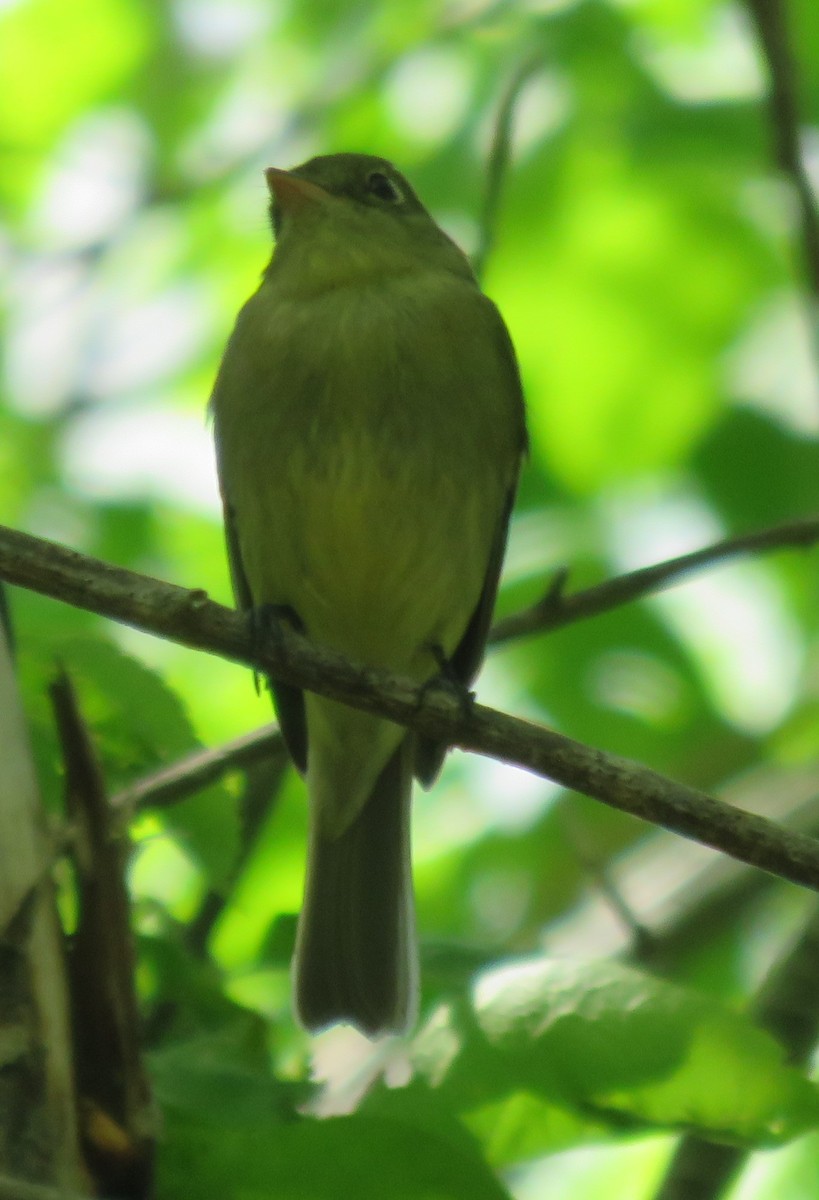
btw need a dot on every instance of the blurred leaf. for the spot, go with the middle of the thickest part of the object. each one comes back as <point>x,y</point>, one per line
<point>224,1077</point>
<point>757,472</point>
<point>613,1044</point>
<point>408,1148</point>
<point>187,992</point>
<point>136,715</point>
<point>55,61</point>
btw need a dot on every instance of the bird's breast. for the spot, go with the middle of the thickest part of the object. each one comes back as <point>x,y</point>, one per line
<point>368,462</point>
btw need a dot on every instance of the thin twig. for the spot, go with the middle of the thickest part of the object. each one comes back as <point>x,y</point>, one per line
<point>600,874</point>
<point>676,889</point>
<point>769,18</point>
<point>190,774</point>
<point>174,783</point>
<point>556,609</point>
<point>498,160</point>
<point>192,620</point>
<point>262,792</point>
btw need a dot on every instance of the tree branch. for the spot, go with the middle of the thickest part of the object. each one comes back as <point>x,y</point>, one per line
<point>498,162</point>
<point>166,786</point>
<point>769,20</point>
<point>192,620</point>
<point>556,609</point>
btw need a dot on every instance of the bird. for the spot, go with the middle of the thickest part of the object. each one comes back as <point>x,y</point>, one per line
<point>369,430</point>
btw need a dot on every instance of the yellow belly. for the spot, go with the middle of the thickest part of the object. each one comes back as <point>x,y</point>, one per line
<point>376,565</point>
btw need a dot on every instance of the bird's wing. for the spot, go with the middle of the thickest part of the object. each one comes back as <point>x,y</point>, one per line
<point>241,588</point>
<point>466,659</point>
<point>289,699</point>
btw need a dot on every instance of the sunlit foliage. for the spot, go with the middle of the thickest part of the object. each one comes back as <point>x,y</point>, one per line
<point>648,258</point>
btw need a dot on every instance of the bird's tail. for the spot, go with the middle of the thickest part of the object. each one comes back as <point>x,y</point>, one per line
<point>356,956</point>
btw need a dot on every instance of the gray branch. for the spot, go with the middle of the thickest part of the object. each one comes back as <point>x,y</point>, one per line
<point>191,619</point>
<point>160,789</point>
<point>557,609</point>
<point>770,22</point>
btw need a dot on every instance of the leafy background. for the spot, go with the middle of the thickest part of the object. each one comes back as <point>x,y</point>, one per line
<point>647,257</point>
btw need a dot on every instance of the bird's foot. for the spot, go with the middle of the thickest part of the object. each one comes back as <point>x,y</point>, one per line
<point>267,625</point>
<point>447,680</point>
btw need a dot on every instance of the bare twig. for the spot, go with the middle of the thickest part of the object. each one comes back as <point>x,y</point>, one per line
<point>261,793</point>
<point>769,19</point>
<point>498,161</point>
<point>192,620</point>
<point>556,609</point>
<point>603,883</point>
<point>262,749</point>
<point>171,784</point>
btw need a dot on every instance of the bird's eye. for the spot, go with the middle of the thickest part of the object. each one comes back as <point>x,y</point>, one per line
<point>380,185</point>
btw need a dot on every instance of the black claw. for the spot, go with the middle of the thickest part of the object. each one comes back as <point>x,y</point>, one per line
<point>266,624</point>
<point>448,680</point>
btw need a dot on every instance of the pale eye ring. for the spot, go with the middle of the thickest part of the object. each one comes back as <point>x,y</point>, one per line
<point>380,185</point>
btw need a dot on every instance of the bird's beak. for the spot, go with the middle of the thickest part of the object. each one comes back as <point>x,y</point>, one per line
<point>292,193</point>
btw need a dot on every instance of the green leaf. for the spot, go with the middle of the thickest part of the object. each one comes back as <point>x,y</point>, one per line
<point>141,724</point>
<point>224,1138</point>
<point>224,1077</point>
<point>613,1045</point>
<point>138,720</point>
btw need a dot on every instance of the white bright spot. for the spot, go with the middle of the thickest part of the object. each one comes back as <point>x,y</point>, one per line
<point>221,29</point>
<point>466,11</point>
<point>478,796</point>
<point>447,820</point>
<point>725,65</point>
<point>548,7</point>
<point>119,452</point>
<point>95,179</point>
<point>72,335</point>
<point>50,306</point>
<point>732,617</point>
<point>145,341</point>
<point>509,798</point>
<point>633,1168</point>
<point>541,109</point>
<point>428,93</point>
<point>555,537</point>
<point>475,797</point>
<point>250,115</point>
<point>771,369</point>
<point>463,229</point>
<point>770,204</point>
